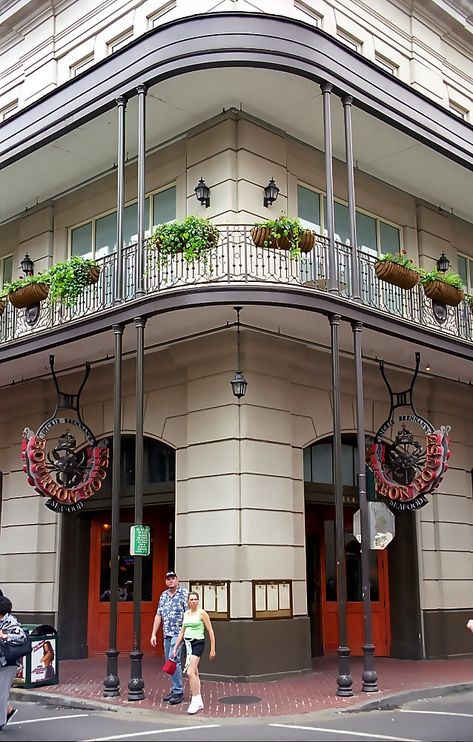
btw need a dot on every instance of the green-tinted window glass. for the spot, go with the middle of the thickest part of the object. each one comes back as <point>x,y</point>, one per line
<point>81,241</point>
<point>366,232</point>
<point>390,238</point>
<point>342,223</point>
<point>164,206</point>
<point>105,235</point>
<point>347,465</point>
<point>130,222</point>
<point>308,205</point>
<point>7,269</point>
<point>322,463</point>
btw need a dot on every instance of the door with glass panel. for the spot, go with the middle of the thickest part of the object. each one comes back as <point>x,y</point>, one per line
<point>321,567</point>
<point>154,568</point>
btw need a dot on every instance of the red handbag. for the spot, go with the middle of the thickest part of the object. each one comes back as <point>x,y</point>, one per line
<point>169,666</point>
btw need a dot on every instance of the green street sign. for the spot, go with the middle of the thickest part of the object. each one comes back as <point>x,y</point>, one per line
<point>140,540</point>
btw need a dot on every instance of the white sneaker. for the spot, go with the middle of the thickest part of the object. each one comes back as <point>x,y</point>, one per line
<point>195,705</point>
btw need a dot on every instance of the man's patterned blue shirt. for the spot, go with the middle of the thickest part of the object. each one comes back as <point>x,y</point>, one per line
<point>171,608</point>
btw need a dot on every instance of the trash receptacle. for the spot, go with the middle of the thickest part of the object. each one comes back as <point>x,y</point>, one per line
<point>41,667</point>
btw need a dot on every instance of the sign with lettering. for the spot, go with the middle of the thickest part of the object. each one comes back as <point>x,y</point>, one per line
<point>407,467</point>
<point>69,472</point>
<point>140,540</point>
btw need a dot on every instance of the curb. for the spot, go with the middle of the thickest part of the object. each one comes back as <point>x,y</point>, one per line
<point>394,700</point>
<point>384,703</point>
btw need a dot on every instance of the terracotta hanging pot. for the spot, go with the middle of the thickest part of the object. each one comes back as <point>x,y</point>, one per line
<point>396,274</point>
<point>443,292</point>
<point>28,296</point>
<point>260,235</point>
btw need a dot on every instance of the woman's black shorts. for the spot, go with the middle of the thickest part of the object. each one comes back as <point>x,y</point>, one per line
<point>198,646</point>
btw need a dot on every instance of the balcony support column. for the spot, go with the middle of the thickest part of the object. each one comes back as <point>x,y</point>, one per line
<point>121,113</point>
<point>332,278</point>
<point>136,683</point>
<point>111,684</point>
<point>141,189</point>
<point>344,679</point>
<point>347,101</point>
<point>369,675</point>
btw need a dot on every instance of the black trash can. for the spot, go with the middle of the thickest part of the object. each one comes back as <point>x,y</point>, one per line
<point>41,667</point>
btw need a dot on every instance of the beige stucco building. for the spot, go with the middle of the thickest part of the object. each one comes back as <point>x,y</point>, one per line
<point>239,494</point>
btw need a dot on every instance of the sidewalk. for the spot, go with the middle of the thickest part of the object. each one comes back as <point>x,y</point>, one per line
<point>81,680</point>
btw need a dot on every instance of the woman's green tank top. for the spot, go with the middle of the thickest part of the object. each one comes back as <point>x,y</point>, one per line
<point>193,625</point>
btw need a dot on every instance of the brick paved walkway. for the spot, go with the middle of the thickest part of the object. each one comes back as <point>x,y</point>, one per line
<point>314,691</point>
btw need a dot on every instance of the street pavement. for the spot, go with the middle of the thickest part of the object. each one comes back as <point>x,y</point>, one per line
<point>437,719</point>
<point>81,683</point>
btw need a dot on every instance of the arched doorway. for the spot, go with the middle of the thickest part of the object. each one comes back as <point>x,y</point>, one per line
<point>321,557</point>
<point>84,611</point>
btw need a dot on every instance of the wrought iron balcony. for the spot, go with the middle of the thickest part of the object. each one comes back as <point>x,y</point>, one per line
<point>236,260</point>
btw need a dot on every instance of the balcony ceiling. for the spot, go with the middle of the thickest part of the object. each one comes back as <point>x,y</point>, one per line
<point>288,102</point>
<point>283,323</point>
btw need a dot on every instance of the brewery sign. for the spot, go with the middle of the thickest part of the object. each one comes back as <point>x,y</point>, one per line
<point>62,460</point>
<point>408,455</point>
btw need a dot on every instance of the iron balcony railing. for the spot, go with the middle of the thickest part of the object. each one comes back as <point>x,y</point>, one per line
<point>236,260</point>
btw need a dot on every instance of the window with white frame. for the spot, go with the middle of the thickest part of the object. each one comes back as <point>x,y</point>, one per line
<point>6,269</point>
<point>349,40</point>
<point>458,110</point>
<point>316,18</point>
<point>120,41</point>
<point>156,18</point>
<point>374,235</point>
<point>386,64</point>
<point>98,237</point>
<point>8,110</point>
<point>78,67</point>
<point>465,271</point>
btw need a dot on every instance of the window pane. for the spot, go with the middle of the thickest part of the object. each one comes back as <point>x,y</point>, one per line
<point>81,241</point>
<point>330,570</point>
<point>462,270</point>
<point>164,206</point>
<point>366,232</point>
<point>308,205</point>
<point>347,465</point>
<point>342,226</point>
<point>130,224</point>
<point>7,269</point>
<point>307,467</point>
<point>105,235</point>
<point>322,463</point>
<point>390,238</point>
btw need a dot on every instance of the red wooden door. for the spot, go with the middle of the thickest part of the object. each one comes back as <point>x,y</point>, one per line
<point>321,521</point>
<point>154,569</point>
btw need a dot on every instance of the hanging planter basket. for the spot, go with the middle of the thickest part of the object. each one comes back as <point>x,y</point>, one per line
<point>443,292</point>
<point>260,235</point>
<point>28,296</point>
<point>396,274</point>
<point>94,274</point>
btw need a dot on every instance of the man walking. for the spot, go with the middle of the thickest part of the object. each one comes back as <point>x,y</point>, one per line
<point>171,608</point>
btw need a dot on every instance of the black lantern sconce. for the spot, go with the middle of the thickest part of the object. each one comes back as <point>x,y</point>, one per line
<point>443,263</point>
<point>27,266</point>
<point>239,383</point>
<point>270,193</point>
<point>202,192</point>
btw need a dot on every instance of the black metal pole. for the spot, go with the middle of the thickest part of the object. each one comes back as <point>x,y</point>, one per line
<point>121,106</point>
<point>332,282</point>
<point>344,680</point>
<point>347,101</point>
<point>111,684</point>
<point>369,676</point>
<point>141,188</point>
<point>136,684</point>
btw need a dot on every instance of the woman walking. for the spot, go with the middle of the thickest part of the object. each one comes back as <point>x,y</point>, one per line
<point>196,620</point>
<point>12,632</point>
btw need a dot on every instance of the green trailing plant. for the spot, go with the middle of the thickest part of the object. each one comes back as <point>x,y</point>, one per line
<point>283,228</point>
<point>399,258</point>
<point>69,278</point>
<point>452,279</point>
<point>194,237</point>
<point>20,283</point>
